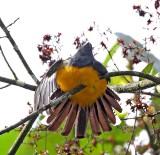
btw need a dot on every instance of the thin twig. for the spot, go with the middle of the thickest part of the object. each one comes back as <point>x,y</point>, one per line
<point>5,59</point>
<point>149,115</point>
<point>15,47</point>
<point>7,85</point>
<point>149,134</point>
<point>13,22</point>
<point>116,65</point>
<point>3,37</point>
<point>132,135</point>
<point>151,94</point>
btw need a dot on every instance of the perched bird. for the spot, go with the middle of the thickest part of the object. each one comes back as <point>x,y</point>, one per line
<point>94,103</point>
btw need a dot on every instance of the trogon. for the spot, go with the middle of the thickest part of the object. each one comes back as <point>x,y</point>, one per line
<point>94,103</point>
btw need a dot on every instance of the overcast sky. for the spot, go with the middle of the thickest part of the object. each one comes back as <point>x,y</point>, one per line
<point>39,17</point>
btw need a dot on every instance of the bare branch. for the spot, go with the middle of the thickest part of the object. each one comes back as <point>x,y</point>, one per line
<point>125,88</point>
<point>151,94</point>
<point>21,137</point>
<point>7,85</point>
<point>141,116</point>
<point>18,83</point>
<point>5,59</point>
<point>15,47</point>
<point>133,130</point>
<point>133,87</point>
<point>13,22</point>
<point>156,80</point>
<point>3,37</point>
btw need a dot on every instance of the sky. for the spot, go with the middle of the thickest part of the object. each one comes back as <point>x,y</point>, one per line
<point>40,17</point>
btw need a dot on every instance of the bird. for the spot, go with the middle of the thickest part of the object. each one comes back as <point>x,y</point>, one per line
<point>95,103</point>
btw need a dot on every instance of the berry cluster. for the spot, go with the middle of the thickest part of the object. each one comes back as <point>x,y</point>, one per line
<point>47,49</point>
<point>134,49</point>
<point>70,147</point>
<point>140,105</point>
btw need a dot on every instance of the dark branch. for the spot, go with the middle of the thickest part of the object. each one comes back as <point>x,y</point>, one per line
<point>18,83</point>
<point>130,87</point>
<point>5,59</point>
<point>7,85</point>
<point>133,131</point>
<point>15,47</point>
<point>13,22</point>
<point>21,137</point>
<point>151,94</point>
<point>156,80</point>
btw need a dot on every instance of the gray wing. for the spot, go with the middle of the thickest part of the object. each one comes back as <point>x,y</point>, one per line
<point>99,68</point>
<point>46,87</point>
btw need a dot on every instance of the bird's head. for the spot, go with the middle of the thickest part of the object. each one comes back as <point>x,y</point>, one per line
<point>86,48</point>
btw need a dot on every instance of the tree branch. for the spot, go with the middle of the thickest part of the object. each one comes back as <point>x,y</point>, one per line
<point>132,87</point>
<point>15,47</point>
<point>5,59</point>
<point>156,80</point>
<point>7,85</point>
<point>18,83</point>
<point>13,22</point>
<point>151,94</point>
<point>21,137</point>
<point>133,131</point>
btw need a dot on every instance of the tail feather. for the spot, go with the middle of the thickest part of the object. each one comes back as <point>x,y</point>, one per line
<point>81,122</point>
<point>108,110</point>
<point>94,121</point>
<point>60,117</point>
<point>112,93</point>
<point>56,94</point>
<point>100,114</point>
<point>113,102</point>
<point>103,119</point>
<point>56,111</point>
<point>70,120</point>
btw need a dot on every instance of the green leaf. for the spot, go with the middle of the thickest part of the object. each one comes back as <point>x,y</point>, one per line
<point>147,69</point>
<point>121,115</point>
<point>153,72</point>
<point>112,52</point>
<point>7,140</point>
<point>118,80</point>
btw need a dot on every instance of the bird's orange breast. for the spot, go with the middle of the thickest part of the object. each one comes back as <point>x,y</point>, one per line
<point>70,77</point>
